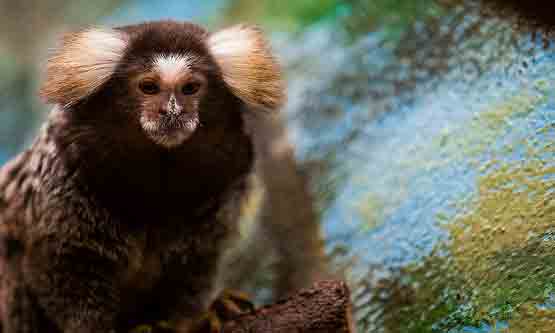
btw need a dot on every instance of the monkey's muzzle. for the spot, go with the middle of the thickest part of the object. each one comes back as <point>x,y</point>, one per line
<point>171,130</point>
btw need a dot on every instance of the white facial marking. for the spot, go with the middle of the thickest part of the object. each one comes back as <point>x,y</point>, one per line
<point>170,68</point>
<point>173,107</point>
<point>172,139</point>
<point>149,125</point>
<point>172,65</point>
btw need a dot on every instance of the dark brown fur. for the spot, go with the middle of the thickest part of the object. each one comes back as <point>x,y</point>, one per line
<point>114,227</point>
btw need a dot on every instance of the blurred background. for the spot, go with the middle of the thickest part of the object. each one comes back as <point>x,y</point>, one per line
<point>420,138</point>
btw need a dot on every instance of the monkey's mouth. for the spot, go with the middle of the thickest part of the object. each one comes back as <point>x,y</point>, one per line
<point>171,131</point>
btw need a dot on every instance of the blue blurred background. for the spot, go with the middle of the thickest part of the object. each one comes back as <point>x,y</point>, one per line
<point>423,129</point>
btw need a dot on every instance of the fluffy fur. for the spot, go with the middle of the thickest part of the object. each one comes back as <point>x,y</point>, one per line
<point>171,65</point>
<point>89,58</point>
<point>86,60</point>
<point>248,66</point>
<point>117,228</point>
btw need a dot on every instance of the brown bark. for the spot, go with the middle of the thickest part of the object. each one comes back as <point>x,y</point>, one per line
<point>324,308</point>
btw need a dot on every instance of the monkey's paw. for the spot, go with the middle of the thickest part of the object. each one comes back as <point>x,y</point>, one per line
<point>229,304</point>
<point>159,327</point>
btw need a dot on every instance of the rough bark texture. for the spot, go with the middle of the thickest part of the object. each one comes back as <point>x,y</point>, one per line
<point>324,308</point>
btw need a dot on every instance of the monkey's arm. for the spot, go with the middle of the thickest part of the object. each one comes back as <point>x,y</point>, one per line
<point>74,285</point>
<point>63,268</point>
<point>19,313</point>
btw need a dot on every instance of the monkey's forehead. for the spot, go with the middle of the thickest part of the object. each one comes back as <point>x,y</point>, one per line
<point>165,37</point>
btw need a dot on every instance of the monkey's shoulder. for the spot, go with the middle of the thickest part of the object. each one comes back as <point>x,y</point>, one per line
<point>15,184</point>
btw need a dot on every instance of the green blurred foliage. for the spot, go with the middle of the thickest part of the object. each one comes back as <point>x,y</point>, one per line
<point>356,17</point>
<point>284,15</point>
<point>393,17</point>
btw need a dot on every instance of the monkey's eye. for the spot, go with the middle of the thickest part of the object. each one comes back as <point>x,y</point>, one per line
<point>190,88</point>
<point>149,87</point>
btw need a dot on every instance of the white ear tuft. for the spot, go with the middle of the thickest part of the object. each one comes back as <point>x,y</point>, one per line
<point>84,62</point>
<point>248,66</point>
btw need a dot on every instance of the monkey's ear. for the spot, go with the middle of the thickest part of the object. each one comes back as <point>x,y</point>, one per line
<point>84,61</point>
<point>248,66</point>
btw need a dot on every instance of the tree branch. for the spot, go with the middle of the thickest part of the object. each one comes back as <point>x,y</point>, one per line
<point>324,308</point>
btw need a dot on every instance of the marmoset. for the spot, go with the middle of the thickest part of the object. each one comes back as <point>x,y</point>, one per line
<point>127,201</point>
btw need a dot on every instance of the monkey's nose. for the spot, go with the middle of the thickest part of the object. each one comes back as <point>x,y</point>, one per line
<point>171,108</point>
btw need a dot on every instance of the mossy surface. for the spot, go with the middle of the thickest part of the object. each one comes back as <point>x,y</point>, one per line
<point>494,271</point>
<point>476,202</point>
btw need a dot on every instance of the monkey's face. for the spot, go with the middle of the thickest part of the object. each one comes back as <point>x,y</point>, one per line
<point>169,95</point>
<point>168,83</point>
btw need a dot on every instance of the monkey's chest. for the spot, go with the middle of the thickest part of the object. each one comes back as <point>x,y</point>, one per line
<point>162,254</point>
<point>177,257</point>
<point>142,273</point>
<point>140,279</point>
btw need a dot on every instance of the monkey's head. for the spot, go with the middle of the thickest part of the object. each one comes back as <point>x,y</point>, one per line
<point>168,93</point>
<point>169,79</point>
